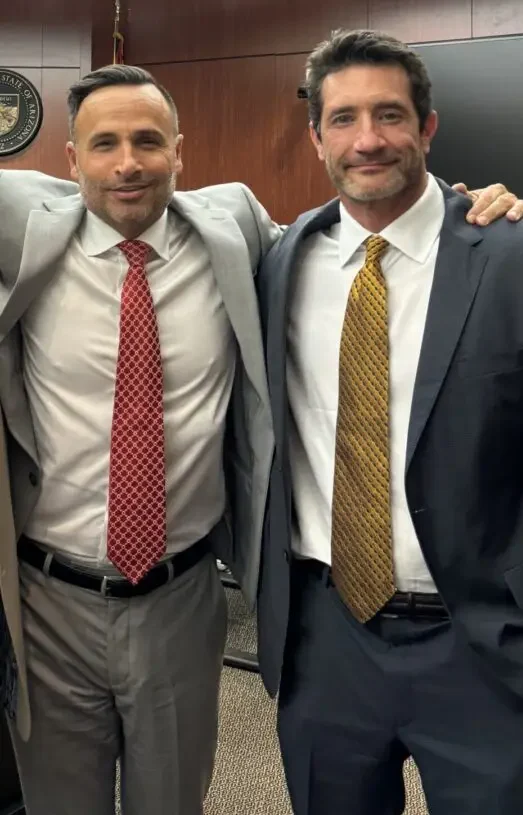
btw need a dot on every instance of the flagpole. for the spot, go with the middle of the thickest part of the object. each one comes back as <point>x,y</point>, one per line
<point>118,39</point>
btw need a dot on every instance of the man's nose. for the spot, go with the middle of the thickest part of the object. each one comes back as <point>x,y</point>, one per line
<point>128,162</point>
<point>369,138</point>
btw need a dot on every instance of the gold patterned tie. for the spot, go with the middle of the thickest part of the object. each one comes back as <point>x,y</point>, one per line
<point>362,567</point>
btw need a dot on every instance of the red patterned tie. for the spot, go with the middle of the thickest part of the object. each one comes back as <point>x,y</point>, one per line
<point>136,525</point>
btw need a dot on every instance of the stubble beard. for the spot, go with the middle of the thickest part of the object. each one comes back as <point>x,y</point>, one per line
<point>120,215</point>
<point>402,177</point>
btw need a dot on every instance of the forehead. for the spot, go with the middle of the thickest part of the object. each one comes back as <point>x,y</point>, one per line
<point>366,85</point>
<point>129,107</point>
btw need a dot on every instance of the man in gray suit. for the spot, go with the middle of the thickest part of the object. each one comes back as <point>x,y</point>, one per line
<point>118,665</point>
<point>132,467</point>
<point>391,591</point>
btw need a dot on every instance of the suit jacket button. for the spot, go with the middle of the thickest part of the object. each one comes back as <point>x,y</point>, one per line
<point>33,478</point>
<point>286,556</point>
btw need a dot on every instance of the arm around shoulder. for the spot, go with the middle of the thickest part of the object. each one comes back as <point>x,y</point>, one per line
<point>268,230</point>
<point>33,183</point>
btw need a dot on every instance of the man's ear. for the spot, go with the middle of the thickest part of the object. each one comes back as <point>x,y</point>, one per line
<point>429,131</point>
<point>178,163</point>
<point>70,151</point>
<point>316,140</point>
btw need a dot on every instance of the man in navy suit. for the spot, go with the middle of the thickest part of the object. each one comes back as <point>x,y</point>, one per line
<point>391,592</point>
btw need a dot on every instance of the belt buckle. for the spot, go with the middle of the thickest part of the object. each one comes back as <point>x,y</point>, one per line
<point>105,588</point>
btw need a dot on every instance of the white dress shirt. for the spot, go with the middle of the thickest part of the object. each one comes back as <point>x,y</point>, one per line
<point>327,264</point>
<point>71,335</point>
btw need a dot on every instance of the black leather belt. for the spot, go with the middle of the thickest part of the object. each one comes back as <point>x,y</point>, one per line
<point>30,552</point>
<point>417,605</point>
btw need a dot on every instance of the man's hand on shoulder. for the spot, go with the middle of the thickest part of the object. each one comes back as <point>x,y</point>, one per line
<point>491,203</point>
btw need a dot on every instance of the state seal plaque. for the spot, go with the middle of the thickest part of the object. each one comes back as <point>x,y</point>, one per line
<point>20,112</point>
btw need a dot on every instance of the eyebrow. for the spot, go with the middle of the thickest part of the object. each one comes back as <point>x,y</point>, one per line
<point>96,136</point>
<point>394,105</point>
<point>137,134</point>
<point>149,132</point>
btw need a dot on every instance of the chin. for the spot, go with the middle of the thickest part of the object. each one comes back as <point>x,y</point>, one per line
<point>130,215</point>
<point>367,194</point>
<point>376,192</point>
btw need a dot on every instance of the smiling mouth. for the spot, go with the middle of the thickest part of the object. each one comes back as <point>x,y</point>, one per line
<point>372,165</point>
<point>129,193</point>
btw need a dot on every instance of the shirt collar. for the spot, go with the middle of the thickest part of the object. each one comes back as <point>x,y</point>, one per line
<point>413,233</point>
<point>97,237</point>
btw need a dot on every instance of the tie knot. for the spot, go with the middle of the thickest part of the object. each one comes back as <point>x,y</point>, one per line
<point>135,251</point>
<point>375,246</point>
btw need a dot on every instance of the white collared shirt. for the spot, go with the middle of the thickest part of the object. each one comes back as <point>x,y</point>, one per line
<point>327,265</point>
<point>70,353</point>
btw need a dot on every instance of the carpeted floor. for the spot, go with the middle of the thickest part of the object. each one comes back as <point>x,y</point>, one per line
<point>248,777</point>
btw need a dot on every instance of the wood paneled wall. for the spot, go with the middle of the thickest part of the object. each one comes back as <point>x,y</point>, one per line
<point>51,46</point>
<point>233,68</point>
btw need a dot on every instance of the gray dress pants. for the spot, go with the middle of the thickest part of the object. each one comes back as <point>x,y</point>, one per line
<point>135,680</point>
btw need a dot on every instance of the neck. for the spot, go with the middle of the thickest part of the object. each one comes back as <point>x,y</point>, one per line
<point>376,215</point>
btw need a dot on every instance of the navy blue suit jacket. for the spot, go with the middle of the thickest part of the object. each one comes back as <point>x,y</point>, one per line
<point>464,467</point>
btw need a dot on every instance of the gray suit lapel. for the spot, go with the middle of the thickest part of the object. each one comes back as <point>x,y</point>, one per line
<point>231,265</point>
<point>46,237</point>
<point>457,275</point>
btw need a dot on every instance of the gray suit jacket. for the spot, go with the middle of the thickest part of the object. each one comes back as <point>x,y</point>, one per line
<point>39,215</point>
<point>464,467</point>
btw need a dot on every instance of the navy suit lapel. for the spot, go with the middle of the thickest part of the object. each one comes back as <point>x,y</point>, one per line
<point>278,298</point>
<point>458,271</point>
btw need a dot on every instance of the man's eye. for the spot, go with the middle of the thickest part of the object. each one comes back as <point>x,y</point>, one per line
<point>391,116</point>
<point>342,119</point>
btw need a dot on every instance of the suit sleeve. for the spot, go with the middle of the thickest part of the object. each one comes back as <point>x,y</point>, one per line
<point>268,231</point>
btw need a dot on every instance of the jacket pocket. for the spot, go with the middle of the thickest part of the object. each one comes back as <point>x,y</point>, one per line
<point>478,365</point>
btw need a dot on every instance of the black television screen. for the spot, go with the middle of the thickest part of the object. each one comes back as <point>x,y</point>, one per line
<point>478,93</point>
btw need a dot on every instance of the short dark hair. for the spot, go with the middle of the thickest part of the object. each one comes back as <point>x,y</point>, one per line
<point>345,48</point>
<point>109,76</point>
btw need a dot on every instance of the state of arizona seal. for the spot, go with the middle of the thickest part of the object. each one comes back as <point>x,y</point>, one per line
<point>20,112</point>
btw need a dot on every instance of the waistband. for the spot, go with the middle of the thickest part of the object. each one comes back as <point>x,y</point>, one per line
<point>413,605</point>
<point>31,552</point>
